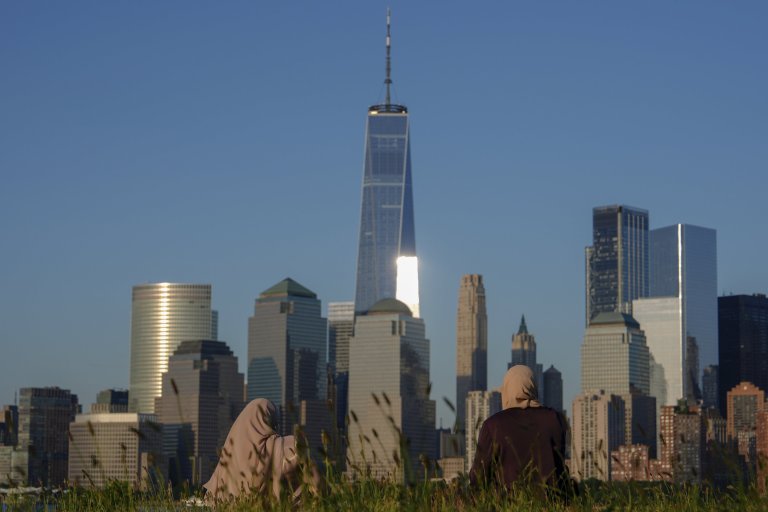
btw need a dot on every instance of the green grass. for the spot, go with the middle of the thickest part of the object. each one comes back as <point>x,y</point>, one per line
<point>371,495</point>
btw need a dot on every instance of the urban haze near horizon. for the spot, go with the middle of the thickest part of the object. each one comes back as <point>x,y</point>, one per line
<point>561,162</point>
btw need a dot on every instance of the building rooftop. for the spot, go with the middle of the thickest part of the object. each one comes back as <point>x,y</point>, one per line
<point>614,317</point>
<point>288,287</point>
<point>389,306</point>
<point>206,348</point>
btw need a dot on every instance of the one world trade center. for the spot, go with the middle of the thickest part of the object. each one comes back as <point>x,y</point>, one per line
<point>387,266</point>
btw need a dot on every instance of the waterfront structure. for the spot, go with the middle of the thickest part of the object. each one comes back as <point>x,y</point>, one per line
<point>203,390</point>
<point>341,323</point>
<point>680,317</point>
<point>480,405</point>
<point>162,316</point>
<point>392,415</point>
<point>617,265</point>
<point>598,429</point>
<point>471,343</point>
<point>743,342</point>
<point>287,350</point>
<point>387,265</point>
<point>115,446</point>
<point>683,442</point>
<point>553,389</point>
<point>44,418</point>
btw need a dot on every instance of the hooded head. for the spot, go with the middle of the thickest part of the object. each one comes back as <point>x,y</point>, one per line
<point>519,389</point>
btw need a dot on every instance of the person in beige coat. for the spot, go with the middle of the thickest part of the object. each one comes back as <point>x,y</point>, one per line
<point>255,459</point>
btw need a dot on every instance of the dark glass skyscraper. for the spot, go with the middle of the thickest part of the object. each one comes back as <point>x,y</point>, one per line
<point>386,219</point>
<point>617,261</point>
<point>743,342</point>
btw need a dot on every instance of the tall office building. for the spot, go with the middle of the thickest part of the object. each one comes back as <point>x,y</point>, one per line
<point>617,261</point>
<point>553,389</point>
<point>524,352</point>
<point>471,342</point>
<point>203,389</point>
<point>480,405</point>
<point>287,349</point>
<point>614,356</point>
<point>598,429</point>
<point>393,418</point>
<point>680,318</point>
<point>44,418</point>
<point>9,426</point>
<point>110,444</point>
<point>386,260</point>
<point>341,326</point>
<point>743,342</point>
<point>162,316</point>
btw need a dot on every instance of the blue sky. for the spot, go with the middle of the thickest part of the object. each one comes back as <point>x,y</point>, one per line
<point>222,143</point>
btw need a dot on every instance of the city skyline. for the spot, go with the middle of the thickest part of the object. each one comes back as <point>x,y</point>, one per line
<point>157,158</point>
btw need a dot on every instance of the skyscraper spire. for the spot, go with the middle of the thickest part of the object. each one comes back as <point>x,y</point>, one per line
<point>388,79</point>
<point>523,328</point>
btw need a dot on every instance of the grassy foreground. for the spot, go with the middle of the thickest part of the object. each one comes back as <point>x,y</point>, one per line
<point>432,496</point>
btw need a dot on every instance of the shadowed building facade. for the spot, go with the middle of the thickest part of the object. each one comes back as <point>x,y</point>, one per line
<point>553,389</point>
<point>471,343</point>
<point>393,419</point>
<point>162,316</point>
<point>287,350</point>
<point>743,342</point>
<point>44,418</point>
<point>202,395</point>
<point>617,265</point>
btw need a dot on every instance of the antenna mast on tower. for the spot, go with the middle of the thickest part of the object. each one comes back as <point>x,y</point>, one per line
<point>388,79</point>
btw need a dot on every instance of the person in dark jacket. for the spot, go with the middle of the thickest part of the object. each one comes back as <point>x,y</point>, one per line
<point>524,442</point>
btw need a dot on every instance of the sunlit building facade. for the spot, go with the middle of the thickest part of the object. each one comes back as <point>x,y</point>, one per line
<point>471,342</point>
<point>480,405</point>
<point>392,417</point>
<point>162,316</point>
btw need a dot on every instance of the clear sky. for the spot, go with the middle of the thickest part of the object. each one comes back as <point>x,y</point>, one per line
<point>222,143</point>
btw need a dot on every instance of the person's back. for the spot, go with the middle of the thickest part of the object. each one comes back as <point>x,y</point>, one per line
<point>525,441</point>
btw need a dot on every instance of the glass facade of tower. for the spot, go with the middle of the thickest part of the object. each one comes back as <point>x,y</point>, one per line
<point>162,316</point>
<point>684,265</point>
<point>386,217</point>
<point>287,349</point>
<point>617,261</point>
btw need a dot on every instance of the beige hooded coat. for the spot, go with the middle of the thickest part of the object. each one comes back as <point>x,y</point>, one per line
<point>254,458</point>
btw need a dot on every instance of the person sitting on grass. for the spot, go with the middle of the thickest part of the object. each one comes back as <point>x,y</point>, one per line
<point>524,442</point>
<point>255,460</point>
